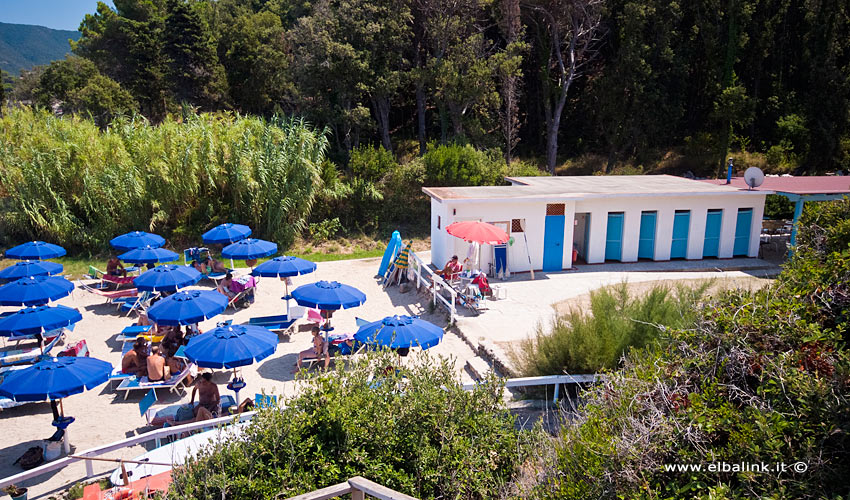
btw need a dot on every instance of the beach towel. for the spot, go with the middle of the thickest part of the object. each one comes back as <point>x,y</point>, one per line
<point>242,283</point>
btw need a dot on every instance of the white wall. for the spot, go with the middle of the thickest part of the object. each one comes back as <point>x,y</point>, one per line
<point>534,213</point>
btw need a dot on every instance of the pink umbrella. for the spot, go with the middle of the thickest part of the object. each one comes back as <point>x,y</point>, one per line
<point>479,232</point>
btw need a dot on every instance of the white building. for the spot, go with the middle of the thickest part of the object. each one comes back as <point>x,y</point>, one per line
<point>602,218</point>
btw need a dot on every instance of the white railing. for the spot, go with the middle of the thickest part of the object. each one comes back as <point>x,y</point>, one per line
<point>358,487</point>
<point>435,284</point>
<point>158,434</point>
<point>155,435</point>
<point>555,380</point>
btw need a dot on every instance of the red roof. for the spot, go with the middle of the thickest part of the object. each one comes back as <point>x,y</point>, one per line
<point>821,184</point>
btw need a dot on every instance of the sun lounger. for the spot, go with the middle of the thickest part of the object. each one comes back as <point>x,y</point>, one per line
<point>132,332</point>
<point>168,414</point>
<point>136,384</point>
<point>190,255</point>
<point>110,295</point>
<point>28,354</point>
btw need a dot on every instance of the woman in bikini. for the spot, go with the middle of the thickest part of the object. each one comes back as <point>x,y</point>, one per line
<point>319,349</point>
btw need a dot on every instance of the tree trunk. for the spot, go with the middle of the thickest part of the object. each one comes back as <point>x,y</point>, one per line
<point>420,115</point>
<point>382,114</point>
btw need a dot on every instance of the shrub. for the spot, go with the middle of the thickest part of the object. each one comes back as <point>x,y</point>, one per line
<point>456,165</point>
<point>414,430</point>
<point>580,342</point>
<point>370,162</point>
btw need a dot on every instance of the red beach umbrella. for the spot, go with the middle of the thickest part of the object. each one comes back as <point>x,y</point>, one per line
<point>479,232</point>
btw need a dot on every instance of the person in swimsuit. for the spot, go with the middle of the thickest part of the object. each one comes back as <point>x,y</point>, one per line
<point>158,370</point>
<point>319,349</point>
<point>115,268</point>
<point>208,396</point>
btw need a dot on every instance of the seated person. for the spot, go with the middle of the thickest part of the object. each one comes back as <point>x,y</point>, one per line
<point>158,370</point>
<point>172,340</point>
<point>135,361</point>
<point>115,268</point>
<point>224,286</point>
<point>209,399</point>
<point>319,349</point>
<point>451,270</point>
<point>200,266</point>
<point>176,365</point>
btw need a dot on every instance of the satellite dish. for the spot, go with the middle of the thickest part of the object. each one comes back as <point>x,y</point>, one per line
<point>753,177</point>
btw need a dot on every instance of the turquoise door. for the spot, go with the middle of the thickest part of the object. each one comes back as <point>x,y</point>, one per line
<point>712,233</point>
<point>681,226</point>
<point>553,243</point>
<point>646,240</point>
<point>614,237</point>
<point>742,232</point>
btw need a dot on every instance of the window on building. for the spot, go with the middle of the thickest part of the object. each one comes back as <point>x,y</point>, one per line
<point>438,222</point>
<point>517,225</point>
<point>554,209</point>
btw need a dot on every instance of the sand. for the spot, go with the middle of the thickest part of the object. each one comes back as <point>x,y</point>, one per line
<point>103,416</point>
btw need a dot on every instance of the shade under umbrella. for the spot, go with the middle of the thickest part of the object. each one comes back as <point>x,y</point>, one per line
<point>34,291</point>
<point>399,332</point>
<point>249,248</point>
<point>187,307</point>
<point>284,266</point>
<point>35,250</point>
<point>231,346</point>
<point>226,233</point>
<point>55,378</point>
<point>26,268</point>
<point>148,255</point>
<point>479,232</point>
<point>136,239</point>
<point>169,278</point>
<point>36,320</point>
<point>328,295</point>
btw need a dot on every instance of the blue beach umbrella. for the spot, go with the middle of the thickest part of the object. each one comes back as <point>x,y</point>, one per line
<point>26,268</point>
<point>226,233</point>
<point>34,291</point>
<point>35,250</point>
<point>37,320</point>
<point>328,295</point>
<point>231,346</point>
<point>136,239</point>
<point>284,267</point>
<point>55,378</point>
<point>187,307</point>
<point>400,331</point>
<point>169,278</point>
<point>148,255</point>
<point>249,248</point>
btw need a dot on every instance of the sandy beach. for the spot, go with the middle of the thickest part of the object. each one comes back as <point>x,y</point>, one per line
<point>103,416</point>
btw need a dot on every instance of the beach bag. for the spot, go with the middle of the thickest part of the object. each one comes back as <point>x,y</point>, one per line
<point>31,458</point>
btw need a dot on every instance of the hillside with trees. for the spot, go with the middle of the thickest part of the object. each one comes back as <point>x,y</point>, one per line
<point>649,84</point>
<point>23,46</point>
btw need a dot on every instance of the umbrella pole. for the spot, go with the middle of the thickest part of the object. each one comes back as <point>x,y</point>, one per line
<point>40,339</point>
<point>286,284</point>
<point>55,408</point>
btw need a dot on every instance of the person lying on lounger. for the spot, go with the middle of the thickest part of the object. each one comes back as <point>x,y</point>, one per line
<point>135,361</point>
<point>158,370</point>
<point>319,349</point>
<point>208,396</point>
<point>115,268</point>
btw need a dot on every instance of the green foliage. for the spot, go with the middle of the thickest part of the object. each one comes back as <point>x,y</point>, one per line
<point>760,377</point>
<point>26,46</point>
<point>65,180</point>
<point>324,230</point>
<point>414,430</point>
<point>778,207</point>
<point>617,322</point>
<point>462,165</point>
<point>371,163</point>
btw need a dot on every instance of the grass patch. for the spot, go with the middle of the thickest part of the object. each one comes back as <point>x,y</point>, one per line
<point>581,342</point>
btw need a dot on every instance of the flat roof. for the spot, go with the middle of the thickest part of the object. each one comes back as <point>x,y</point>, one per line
<point>800,185</point>
<point>582,186</point>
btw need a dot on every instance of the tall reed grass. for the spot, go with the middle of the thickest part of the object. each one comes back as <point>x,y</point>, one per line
<point>587,342</point>
<point>67,181</point>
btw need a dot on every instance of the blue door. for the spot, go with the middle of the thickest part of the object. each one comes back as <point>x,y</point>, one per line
<point>712,233</point>
<point>646,240</point>
<point>553,243</point>
<point>614,237</point>
<point>742,232</point>
<point>681,226</point>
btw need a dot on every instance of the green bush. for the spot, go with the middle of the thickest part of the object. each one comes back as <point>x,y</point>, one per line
<point>588,342</point>
<point>760,377</point>
<point>778,207</point>
<point>456,165</point>
<point>370,162</point>
<point>415,430</point>
<point>67,181</point>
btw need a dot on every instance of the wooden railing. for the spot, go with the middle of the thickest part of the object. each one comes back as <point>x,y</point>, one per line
<point>435,284</point>
<point>357,486</point>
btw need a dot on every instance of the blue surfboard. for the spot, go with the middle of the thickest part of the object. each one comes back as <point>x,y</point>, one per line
<point>392,250</point>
